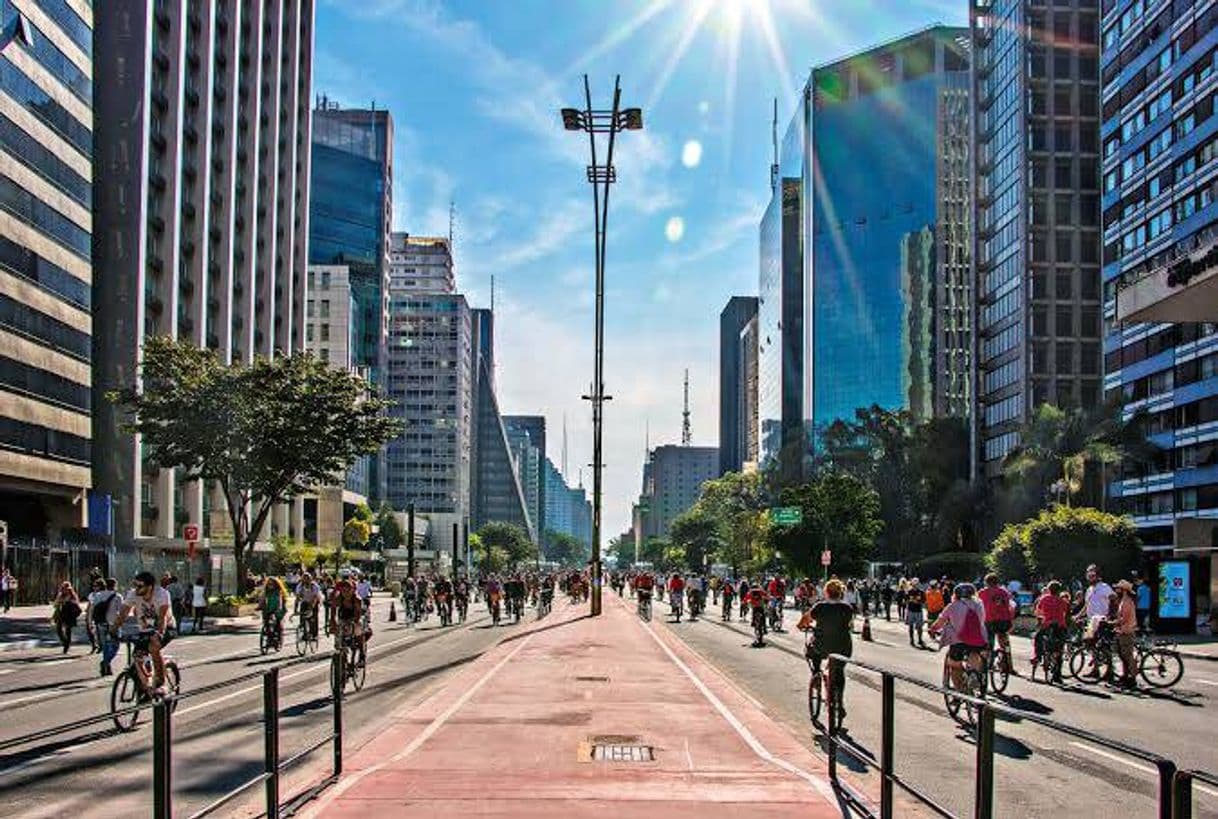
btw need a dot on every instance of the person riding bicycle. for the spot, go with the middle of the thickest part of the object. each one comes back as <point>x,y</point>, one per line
<point>308,600</point>
<point>728,591</point>
<point>152,609</point>
<point>494,594</point>
<point>409,596</point>
<point>756,600</point>
<point>829,621</point>
<point>461,595</point>
<point>444,597</point>
<point>776,590</point>
<point>514,589</point>
<point>1051,612</point>
<point>274,604</point>
<point>694,593</point>
<point>643,585</point>
<point>676,592</point>
<point>348,610</point>
<point>961,627</point>
<point>999,613</point>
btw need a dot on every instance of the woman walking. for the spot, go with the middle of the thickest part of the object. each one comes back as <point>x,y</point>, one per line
<point>66,612</point>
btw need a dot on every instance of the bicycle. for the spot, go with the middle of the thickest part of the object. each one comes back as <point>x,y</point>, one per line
<point>494,606</point>
<point>1159,663</point>
<point>759,626</point>
<point>1050,658</point>
<point>644,606</point>
<point>444,610</point>
<point>129,688</point>
<point>973,686</point>
<point>352,655</point>
<point>271,637</point>
<point>462,607</point>
<point>1000,668</point>
<point>544,603</point>
<point>774,616</point>
<point>306,633</point>
<point>674,606</point>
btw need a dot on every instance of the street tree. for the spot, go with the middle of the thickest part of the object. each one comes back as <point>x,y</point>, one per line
<point>356,533</point>
<point>565,549</point>
<point>737,503</point>
<point>512,539</point>
<point>698,535</point>
<point>390,531</point>
<point>262,433</point>
<point>840,512</point>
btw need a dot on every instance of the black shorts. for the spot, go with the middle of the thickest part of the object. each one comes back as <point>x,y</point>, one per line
<point>141,641</point>
<point>959,651</point>
<point>998,626</point>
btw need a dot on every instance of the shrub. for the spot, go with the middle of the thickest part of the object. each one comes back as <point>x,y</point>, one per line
<point>1060,542</point>
<point>1009,556</point>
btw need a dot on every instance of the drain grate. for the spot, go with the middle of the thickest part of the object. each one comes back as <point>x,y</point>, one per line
<point>623,753</point>
<point>592,679</point>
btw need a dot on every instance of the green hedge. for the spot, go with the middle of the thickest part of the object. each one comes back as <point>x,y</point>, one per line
<point>1060,542</point>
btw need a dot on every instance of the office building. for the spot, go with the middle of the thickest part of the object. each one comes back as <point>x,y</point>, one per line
<point>568,510</point>
<point>527,434</point>
<point>1160,266</point>
<point>421,264</point>
<point>735,346</point>
<point>747,432</point>
<point>429,379</point>
<point>672,481</point>
<point>1037,249</point>
<point>864,285</point>
<point>497,493</point>
<point>46,226</point>
<point>201,218</point>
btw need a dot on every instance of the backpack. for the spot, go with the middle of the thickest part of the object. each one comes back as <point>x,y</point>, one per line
<point>101,609</point>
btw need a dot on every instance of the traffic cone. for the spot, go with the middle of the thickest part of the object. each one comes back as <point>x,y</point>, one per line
<point>866,629</point>
<point>393,613</point>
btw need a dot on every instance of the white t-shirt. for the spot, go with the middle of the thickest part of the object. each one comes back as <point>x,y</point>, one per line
<point>198,596</point>
<point>146,612</point>
<point>363,590</point>
<point>105,598</point>
<point>1097,599</point>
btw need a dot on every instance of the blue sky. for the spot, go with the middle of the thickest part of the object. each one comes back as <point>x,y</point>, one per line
<point>475,87</point>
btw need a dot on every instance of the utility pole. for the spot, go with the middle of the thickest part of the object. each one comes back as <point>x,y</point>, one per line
<point>593,122</point>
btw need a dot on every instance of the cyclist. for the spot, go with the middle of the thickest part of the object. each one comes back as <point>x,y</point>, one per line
<point>961,627</point>
<point>152,608</point>
<point>494,592</point>
<point>515,592</point>
<point>742,590</point>
<point>642,587</point>
<point>409,593</point>
<point>757,605</point>
<point>694,593</point>
<point>308,600</point>
<point>461,597</point>
<point>728,591</point>
<point>676,593</point>
<point>1051,611</point>
<point>274,604</point>
<point>348,610</point>
<point>777,591</point>
<point>999,612</point>
<point>829,621</point>
<point>444,598</point>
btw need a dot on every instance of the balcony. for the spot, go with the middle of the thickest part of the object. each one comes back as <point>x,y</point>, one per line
<point>1183,289</point>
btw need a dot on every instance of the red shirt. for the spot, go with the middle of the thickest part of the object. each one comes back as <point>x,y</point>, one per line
<point>1052,610</point>
<point>777,588</point>
<point>756,596</point>
<point>676,584</point>
<point>644,582</point>
<point>997,602</point>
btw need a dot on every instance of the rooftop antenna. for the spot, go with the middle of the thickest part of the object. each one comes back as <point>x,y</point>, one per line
<point>774,138</point>
<point>686,436</point>
<point>647,439</point>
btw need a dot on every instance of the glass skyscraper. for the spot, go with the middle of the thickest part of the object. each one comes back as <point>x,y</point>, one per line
<point>1159,67</point>
<point>1036,255</point>
<point>864,289</point>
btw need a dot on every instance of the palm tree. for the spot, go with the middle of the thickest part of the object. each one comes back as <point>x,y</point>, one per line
<point>1063,442</point>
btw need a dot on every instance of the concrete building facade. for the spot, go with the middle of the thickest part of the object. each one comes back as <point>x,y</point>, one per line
<point>201,219</point>
<point>421,264</point>
<point>735,402</point>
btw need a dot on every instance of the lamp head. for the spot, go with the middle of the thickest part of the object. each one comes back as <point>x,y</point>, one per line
<point>632,119</point>
<point>572,119</point>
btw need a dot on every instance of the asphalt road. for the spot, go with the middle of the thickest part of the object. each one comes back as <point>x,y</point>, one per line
<point>1039,772</point>
<point>218,736</point>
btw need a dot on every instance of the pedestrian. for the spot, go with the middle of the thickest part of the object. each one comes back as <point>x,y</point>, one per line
<point>104,606</point>
<point>6,588</point>
<point>66,611</point>
<point>198,603</point>
<point>98,587</point>
<point>1143,593</point>
<point>886,595</point>
<point>934,600</point>
<point>1125,624</point>
<point>915,599</point>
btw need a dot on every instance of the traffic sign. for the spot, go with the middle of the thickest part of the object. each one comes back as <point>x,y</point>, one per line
<point>190,531</point>
<point>786,515</point>
<point>826,557</point>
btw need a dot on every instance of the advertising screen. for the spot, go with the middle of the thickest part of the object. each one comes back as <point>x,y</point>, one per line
<point>1174,590</point>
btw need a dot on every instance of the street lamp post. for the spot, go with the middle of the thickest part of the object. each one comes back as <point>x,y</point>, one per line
<point>595,122</point>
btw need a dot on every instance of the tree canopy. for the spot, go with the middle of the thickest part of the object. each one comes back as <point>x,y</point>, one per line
<point>840,513</point>
<point>263,433</point>
<point>1060,542</point>
<point>511,539</point>
<point>566,550</point>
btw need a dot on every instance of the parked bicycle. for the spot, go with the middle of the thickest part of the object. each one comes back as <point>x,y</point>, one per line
<point>133,685</point>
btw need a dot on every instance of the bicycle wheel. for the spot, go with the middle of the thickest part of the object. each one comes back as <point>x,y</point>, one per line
<point>974,686</point>
<point>1000,674</point>
<point>302,639</point>
<point>124,694</point>
<point>264,641</point>
<point>1078,661</point>
<point>1161,668</point>
<point>815,697</point>
<point>358,668</point>
<point>952,702</point>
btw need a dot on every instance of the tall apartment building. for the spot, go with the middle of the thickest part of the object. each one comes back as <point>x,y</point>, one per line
<point>748,432</point>
<point>734,398</point>
<point>863,293</point>
<point>1037,214</point>
<point>568,510</point>
<point>672,481</point>
<point>1160,275</point>
<point>527,434</point>
<point>46,226</point>
<point>421,264</point>
<point>201,219</point>
<point>430,379</point>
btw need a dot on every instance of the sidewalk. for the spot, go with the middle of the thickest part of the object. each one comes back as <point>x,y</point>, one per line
<point>519,733</point>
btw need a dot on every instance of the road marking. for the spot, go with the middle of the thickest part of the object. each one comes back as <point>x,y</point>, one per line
<point>1205,682</point>
<point>4,671</point>
<point>426,734</point>
<point>760,750</point>
<point>1136,765</point>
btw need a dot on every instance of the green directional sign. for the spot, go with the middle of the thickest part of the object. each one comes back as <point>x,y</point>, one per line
<point>786,516</point>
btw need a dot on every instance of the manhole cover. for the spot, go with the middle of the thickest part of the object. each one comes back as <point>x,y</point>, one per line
<point>623,753</point>
<point>592,679</point>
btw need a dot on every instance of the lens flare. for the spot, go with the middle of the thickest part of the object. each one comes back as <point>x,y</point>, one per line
<point>674,229</point>
<point>691,154</point>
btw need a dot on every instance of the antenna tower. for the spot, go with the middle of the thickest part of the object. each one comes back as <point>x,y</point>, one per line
<point>686,435</point>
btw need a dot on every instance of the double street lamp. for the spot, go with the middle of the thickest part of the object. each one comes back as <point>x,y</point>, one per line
<point>601,176</point>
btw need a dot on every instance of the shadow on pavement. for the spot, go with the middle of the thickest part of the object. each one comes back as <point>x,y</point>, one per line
<point>540,629</point>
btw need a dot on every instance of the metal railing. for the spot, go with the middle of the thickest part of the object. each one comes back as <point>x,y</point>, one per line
<point>1174,787</point>
<point>273,763</point>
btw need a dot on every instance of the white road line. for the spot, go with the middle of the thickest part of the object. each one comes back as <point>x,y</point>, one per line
<point>1136,765</point>
<point>435,725</point>
<point>4,671</point>
<point>1205,682</point>
<point>760,750</point>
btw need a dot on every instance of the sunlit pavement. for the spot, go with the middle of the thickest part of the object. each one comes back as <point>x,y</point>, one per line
<point>515,734</point>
